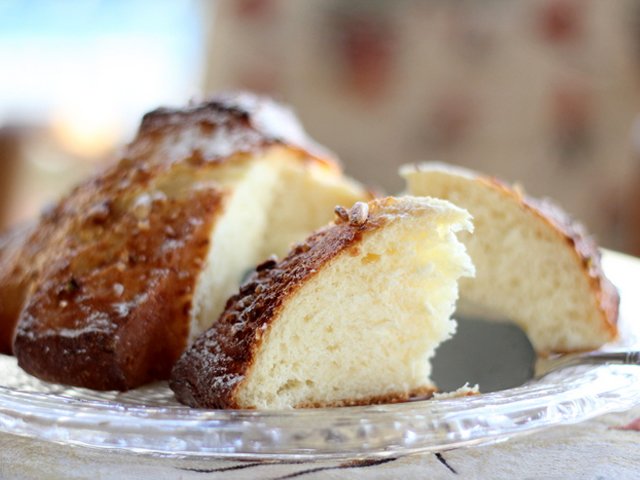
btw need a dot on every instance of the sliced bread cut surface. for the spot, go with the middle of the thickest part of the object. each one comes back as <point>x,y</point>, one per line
<point>351,316</point>
<point>534,264</point>
<point>142,257</point>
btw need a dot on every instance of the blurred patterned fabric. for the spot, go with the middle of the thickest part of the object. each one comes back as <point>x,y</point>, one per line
<point>540,92</point>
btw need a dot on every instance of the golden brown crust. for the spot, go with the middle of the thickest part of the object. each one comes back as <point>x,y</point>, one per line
<point>113,311</point>
<point>575,235</point>
<point>213,367</point>
<point>143,224</point>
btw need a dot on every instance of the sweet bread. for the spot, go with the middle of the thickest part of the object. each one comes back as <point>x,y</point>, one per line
<point>351,316</point>
<point>134,262</point>
<point>535,265</point>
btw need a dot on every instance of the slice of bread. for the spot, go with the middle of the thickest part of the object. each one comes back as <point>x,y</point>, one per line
<point>535,265</point>
<point>137,260</point>
<point>351,316</point>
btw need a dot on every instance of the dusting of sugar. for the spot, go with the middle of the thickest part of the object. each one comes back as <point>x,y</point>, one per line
<point>225,125</point>
<point>118,289</point>
<point>142,206</point>
<point>226,381</point>
<point>171,244</point>
<point>122,309</point>
<point>223,142</point>
<point>96,322</point>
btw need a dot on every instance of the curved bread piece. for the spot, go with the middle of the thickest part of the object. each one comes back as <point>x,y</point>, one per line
<point>135,261</point>
<point>534,264</point>
<point>351,316</point>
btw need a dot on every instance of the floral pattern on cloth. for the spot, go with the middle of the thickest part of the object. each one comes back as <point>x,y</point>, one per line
<point>539,92</point>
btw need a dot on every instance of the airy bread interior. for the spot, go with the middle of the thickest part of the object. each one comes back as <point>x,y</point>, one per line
<point>527,271</point>
<point>272,200</point>
<point>365,326</point>
<point>306,195</point>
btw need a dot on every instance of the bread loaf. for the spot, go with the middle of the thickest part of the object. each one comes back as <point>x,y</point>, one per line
<point>134,262</point>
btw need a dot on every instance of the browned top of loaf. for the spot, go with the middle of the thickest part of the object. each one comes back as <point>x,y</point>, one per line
<point>210,371</point>
<point>228,123</point>
<point>575,235</point>
<point>155,208</point>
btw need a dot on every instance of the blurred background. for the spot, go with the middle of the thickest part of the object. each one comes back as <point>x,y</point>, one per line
<point>541,92</point>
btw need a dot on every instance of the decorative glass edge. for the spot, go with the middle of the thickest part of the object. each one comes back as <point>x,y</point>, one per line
<point>565,397</point>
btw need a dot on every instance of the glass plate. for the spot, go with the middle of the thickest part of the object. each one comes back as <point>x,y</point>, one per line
<point>149,421</point>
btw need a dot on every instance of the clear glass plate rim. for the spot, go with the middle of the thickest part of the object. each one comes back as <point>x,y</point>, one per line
<point>436,424</point>
<point>508,397</point>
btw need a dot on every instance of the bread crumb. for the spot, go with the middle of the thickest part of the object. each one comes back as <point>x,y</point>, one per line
<point>463,391</point>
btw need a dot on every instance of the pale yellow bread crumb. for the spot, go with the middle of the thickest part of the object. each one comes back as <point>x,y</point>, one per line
<point>534,264</point>
<point>351,316</point>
